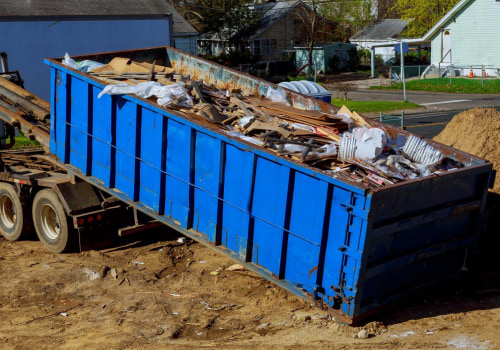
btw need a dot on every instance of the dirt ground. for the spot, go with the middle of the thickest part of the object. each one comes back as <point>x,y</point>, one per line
<point>164,291</point>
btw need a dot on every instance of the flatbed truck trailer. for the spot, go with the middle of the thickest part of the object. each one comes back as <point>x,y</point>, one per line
<point>350,249</point>
<point>39,195</point>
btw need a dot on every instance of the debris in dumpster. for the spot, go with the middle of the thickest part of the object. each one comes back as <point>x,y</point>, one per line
<point>344,145</point>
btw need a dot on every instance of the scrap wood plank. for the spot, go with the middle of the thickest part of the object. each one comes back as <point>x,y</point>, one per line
<point>267,126</point>
<point>294,116</point>
<point>248,108</point>
<point>328,133</point>
<point>359,120</point>
<point>293,112</point>
<point>156,67</point>
<point>311,122</point>
<point>126,65</point>
<point>284,109</point>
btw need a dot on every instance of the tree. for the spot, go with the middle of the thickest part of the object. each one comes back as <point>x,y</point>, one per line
<point>349,15</point>
<point>423,13</point>
<point>308,14</point>
<point>223,17</point>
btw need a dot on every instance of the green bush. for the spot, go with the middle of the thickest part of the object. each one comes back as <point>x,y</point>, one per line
<point>354,59</point>
<point>333,65</point>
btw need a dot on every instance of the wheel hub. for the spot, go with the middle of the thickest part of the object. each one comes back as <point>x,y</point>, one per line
<point>50,221</point>
<point>7,211</point>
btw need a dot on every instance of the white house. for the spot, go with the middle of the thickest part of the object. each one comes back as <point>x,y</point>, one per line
<point>467,37</point>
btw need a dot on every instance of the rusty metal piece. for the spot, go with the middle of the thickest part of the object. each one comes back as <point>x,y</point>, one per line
<point>37,111</point>
<point>12,114</point>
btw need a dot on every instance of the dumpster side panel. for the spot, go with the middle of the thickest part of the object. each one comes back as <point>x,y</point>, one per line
<point>128,121</point>
<point>153,160</point>
<point>80,105</point>
<point>102,137</point>
<point>270,204</point>
<point>61,116</point>
<point>208,160</point>
<point>236,219</point>
<point>307,217</point>
<point>178,192</point>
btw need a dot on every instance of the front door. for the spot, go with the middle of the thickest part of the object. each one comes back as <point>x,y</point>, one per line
<point>446,47</point>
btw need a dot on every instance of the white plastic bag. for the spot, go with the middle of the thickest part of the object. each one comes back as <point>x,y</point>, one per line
<point>246,138</point>
<point>277,95</point>
<point>173,94</point>
<point>167,95</point>
<point>68,61</point>
<point>88,65</point>
<point>145,89</point>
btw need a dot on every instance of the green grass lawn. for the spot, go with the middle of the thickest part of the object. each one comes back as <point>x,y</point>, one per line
<point>373,106</point>
<point>23,142</point>
<point>457,85</point>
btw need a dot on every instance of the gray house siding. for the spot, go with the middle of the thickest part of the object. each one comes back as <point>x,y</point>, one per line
<point>282,33</point>
<point>187,43</point>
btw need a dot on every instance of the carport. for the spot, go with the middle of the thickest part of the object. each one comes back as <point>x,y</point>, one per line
<point>412,43</point>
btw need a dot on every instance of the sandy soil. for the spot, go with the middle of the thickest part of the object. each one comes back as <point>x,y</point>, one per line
<point>163,291</point>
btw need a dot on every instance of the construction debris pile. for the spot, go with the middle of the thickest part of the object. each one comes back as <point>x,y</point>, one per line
<point>344,145</point>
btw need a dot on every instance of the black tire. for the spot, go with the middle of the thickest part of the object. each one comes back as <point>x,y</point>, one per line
<point>51,223</point>
<point>13,218</point>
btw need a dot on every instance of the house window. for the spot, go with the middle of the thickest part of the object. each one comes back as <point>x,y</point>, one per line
<point>272,46</point>
<point>264,46</point>
<point>256,47</point>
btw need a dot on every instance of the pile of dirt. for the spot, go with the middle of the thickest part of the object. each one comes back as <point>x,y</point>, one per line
<point>476,131</point>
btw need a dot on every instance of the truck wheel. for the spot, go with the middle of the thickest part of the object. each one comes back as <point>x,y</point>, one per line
<point>51,224</point>
<point>11,213</point>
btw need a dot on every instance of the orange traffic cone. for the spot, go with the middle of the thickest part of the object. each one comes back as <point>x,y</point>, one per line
<point>471,74</point>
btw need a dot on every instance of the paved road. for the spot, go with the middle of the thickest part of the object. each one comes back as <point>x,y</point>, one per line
<point>432,101</point>
<point>439,108</point>
<point>427,124</point>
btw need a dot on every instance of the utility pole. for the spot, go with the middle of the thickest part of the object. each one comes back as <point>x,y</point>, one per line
<point>402,59</point>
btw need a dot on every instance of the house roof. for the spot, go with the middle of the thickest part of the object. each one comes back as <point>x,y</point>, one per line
<point>95,8</point>
<point>387,29</point>
<point>270,13</point>
<point>449,16</point>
